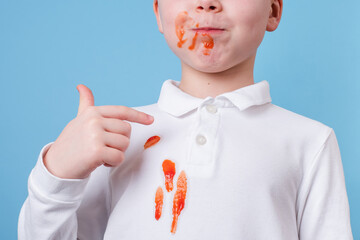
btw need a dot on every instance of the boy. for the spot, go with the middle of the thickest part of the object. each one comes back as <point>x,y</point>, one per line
<point>214,160</point>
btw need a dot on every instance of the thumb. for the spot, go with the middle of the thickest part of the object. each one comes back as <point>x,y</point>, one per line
<point>86,97</point>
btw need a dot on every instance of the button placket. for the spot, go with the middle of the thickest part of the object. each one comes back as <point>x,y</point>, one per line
<point>202,147</point>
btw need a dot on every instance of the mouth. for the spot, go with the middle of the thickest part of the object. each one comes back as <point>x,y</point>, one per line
<point>209,30</point>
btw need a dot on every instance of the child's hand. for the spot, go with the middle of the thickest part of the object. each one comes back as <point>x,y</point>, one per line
<point>98,135</point>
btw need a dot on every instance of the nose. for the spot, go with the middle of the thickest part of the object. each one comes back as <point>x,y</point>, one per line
<point>213,6</point>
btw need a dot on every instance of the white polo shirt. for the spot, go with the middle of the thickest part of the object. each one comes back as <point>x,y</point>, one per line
<point>254,171</point>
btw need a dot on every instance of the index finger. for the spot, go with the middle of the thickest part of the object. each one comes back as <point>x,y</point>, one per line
<point>125,113</point>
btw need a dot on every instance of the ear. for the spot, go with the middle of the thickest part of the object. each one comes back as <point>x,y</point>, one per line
<point>274,15</point>
<point>157,14</point>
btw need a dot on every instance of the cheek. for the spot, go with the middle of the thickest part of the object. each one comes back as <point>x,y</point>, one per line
<point>171,34</point>
<point>251,24</point>
<point>260,16</point>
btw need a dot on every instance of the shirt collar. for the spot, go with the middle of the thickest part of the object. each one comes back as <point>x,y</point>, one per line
<point>177,102</point>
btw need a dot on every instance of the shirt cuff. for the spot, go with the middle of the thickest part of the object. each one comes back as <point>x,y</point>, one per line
<point>53,187</point>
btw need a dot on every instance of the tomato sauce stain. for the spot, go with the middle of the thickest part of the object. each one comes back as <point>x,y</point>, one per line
<point>151,141</point>
<point>193,42</point>
<point>169,172</point>
<point>159,200</point>
<point>180,22</point>
<point>179,199</point>
<point>208,43</point>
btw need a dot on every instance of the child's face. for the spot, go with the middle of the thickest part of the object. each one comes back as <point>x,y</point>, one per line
<point>215,35</point>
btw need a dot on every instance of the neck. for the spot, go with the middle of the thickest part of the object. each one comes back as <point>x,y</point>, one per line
<point>202,84</point>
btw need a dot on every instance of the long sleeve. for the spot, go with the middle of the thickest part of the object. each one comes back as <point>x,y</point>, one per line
<point>63,208</point>
<point>323,203</point>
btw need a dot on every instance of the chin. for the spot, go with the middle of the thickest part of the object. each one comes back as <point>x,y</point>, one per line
<point>208,64</point>
<point>209,69</point>
<point>212,63</point>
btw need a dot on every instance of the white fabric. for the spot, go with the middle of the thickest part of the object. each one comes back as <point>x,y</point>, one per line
<point>257,171</point>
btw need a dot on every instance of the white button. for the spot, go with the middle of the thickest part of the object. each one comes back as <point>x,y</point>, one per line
<point>200,139</point>
<point>211,108</point>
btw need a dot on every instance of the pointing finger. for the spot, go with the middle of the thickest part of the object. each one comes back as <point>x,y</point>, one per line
<point>125,113</point>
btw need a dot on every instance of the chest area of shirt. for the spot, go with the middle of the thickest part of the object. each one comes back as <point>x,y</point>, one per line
<point>235,165</point>
<point>229,171</point>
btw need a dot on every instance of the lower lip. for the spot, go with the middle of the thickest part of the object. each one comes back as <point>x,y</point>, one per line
<point>208,31</point>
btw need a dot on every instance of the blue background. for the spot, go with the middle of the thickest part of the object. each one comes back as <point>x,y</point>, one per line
<point>312,62</point>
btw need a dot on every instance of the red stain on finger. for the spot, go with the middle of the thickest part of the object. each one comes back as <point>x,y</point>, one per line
<point>179,199</point>
<point>151,141</point>
<point>169,172</point>
<point>159,200</point>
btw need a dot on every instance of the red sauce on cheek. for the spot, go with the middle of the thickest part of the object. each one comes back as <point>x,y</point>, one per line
<point>180,34</point>
<point>169,172</point>
<point>159,200</point>
<point>180,22</point>
<point>151,141</point>
<point>179,199</point>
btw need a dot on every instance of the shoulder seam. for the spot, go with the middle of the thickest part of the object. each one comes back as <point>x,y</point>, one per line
<point>308,172</point>
<point>316,157</point>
